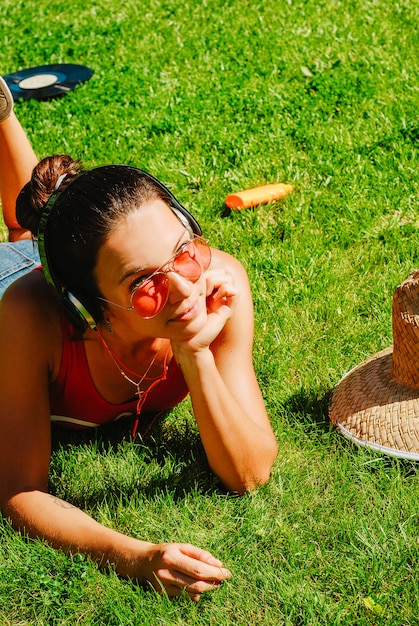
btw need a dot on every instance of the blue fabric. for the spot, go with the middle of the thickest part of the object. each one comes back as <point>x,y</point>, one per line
<point>16,259</point>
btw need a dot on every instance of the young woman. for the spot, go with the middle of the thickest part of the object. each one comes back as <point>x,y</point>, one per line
<point>171,316</point>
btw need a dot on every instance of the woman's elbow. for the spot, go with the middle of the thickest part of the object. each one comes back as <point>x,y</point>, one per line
<point>265,468</point>
<point>250,483</point>
<point>255,477</point>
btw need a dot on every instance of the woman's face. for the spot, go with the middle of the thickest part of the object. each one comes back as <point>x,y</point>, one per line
<point>143,242</point>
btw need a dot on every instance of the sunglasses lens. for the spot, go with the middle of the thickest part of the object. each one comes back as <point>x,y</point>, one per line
<point>151,296</point>
<point>194,260</point>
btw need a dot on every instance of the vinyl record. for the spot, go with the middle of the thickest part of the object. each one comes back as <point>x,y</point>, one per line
<point>46,81</point>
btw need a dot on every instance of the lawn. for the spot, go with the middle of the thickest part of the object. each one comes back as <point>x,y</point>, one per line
<point>212,97</point>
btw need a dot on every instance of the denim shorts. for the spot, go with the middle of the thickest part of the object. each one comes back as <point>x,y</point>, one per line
<point>16,259</point>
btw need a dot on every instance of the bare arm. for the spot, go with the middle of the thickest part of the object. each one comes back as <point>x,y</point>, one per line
<point>227,402</point>
<point>30,340</point>
<point>17,159</point>
<point>173,567</point>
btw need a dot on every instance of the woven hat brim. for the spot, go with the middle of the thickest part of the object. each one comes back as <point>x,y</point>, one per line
<point>372,409</point>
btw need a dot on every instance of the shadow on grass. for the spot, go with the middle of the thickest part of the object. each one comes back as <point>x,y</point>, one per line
<point>182,445</point>
<point>308,408</point>
<point>168,444</point>
<point>309,411</point>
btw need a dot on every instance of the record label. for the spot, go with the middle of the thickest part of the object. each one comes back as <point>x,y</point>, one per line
<point>47,81</point>
<point>37,82</point>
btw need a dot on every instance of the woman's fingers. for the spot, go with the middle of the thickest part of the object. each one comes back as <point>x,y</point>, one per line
<point>200,555</point>
<point>182,568</point>
<point>219,279</point>
<point>221,290</point>
<point>189,585</point>
<point>193,564</point>
<point>194,589</point>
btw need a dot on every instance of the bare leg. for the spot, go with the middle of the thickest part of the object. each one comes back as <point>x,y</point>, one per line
<point>17,160</point>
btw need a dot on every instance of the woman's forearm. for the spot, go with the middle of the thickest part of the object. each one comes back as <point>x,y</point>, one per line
<point>240,450</point>
<point>175,568</point>
<point>68,528</point>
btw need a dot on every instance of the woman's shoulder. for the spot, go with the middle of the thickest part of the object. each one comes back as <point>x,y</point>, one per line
<point>226,261</point>
<point>31,302</point>
<point>28,287</point>
<point>30,324</point>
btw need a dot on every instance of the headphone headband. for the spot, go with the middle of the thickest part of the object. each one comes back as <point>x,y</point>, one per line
<point>183,214</point>
<point>41,237</point>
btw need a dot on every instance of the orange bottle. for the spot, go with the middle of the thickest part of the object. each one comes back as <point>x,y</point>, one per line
<point>257,195</point>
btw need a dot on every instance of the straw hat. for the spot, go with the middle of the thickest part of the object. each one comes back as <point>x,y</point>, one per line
<point>377,403</point>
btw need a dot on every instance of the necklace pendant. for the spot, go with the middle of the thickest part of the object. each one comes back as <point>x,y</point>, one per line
<point>139,393</point>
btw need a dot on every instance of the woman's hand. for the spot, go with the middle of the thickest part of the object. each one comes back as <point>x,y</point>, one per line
<point>222,297</point>
<point>176,568</point>
<point>221,300</point>
<point>221,292</point>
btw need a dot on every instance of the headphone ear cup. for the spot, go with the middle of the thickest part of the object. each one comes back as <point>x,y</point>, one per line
<point>77,312</point>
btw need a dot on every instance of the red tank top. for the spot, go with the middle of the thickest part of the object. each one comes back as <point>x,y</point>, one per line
<point>75,402</point>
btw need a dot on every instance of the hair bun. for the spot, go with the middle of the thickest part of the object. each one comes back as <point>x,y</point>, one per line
<point>50,175</point>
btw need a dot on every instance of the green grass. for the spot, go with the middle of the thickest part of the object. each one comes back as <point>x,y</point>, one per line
<point>212,97</point>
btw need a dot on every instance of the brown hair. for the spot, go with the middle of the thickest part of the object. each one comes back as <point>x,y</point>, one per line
<point>88,207</point>
<point>36,193</point>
